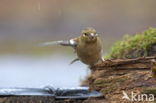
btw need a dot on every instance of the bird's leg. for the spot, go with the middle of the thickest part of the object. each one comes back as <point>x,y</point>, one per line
<point>92,66</point>
<point>77,59</point>
<point>99,61</point>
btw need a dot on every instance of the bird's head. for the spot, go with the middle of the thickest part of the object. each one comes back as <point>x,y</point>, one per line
<point>89,35</point>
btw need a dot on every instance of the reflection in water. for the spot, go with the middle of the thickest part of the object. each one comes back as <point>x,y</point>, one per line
<point>29,71</point>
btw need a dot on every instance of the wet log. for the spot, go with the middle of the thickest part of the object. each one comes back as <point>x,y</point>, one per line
<point>142,63</point>
<point>112,77</point>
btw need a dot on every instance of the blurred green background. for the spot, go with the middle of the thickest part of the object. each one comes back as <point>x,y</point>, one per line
<point>26,23</point>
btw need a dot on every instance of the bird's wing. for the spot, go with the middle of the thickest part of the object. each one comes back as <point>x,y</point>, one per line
<point>77,59</point>
<point>71,43</point>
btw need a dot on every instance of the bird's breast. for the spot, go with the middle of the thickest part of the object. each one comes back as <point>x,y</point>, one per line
<point>89,53</point>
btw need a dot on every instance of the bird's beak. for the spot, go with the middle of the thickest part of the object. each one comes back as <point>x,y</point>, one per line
<point>92,35</point>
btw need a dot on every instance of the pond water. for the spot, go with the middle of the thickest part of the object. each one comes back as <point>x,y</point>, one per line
<point>32,71</point>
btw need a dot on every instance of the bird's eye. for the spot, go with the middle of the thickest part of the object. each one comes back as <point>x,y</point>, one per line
<point>85,34</point>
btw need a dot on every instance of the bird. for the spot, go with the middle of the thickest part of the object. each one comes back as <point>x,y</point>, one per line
<point>88,46</point>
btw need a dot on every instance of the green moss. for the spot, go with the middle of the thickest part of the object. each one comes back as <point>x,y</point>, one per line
<point>110,84</point>
<point>150,91</point>
<point>133,46</point>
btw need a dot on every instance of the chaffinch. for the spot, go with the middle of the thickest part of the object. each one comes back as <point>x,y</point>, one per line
<point>88,46</point>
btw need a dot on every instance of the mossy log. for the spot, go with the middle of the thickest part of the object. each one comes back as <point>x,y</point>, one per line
<point>114,76</point>
<point>138,45</point>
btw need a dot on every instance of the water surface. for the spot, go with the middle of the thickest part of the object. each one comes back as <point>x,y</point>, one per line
<point>31,71</point>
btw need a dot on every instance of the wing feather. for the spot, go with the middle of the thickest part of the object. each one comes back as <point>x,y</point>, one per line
<point>71,43</point>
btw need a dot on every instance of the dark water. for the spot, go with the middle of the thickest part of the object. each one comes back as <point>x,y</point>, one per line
<point>31,71</point>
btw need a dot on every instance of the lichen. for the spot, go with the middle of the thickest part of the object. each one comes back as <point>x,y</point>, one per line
<point>133,46</point>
